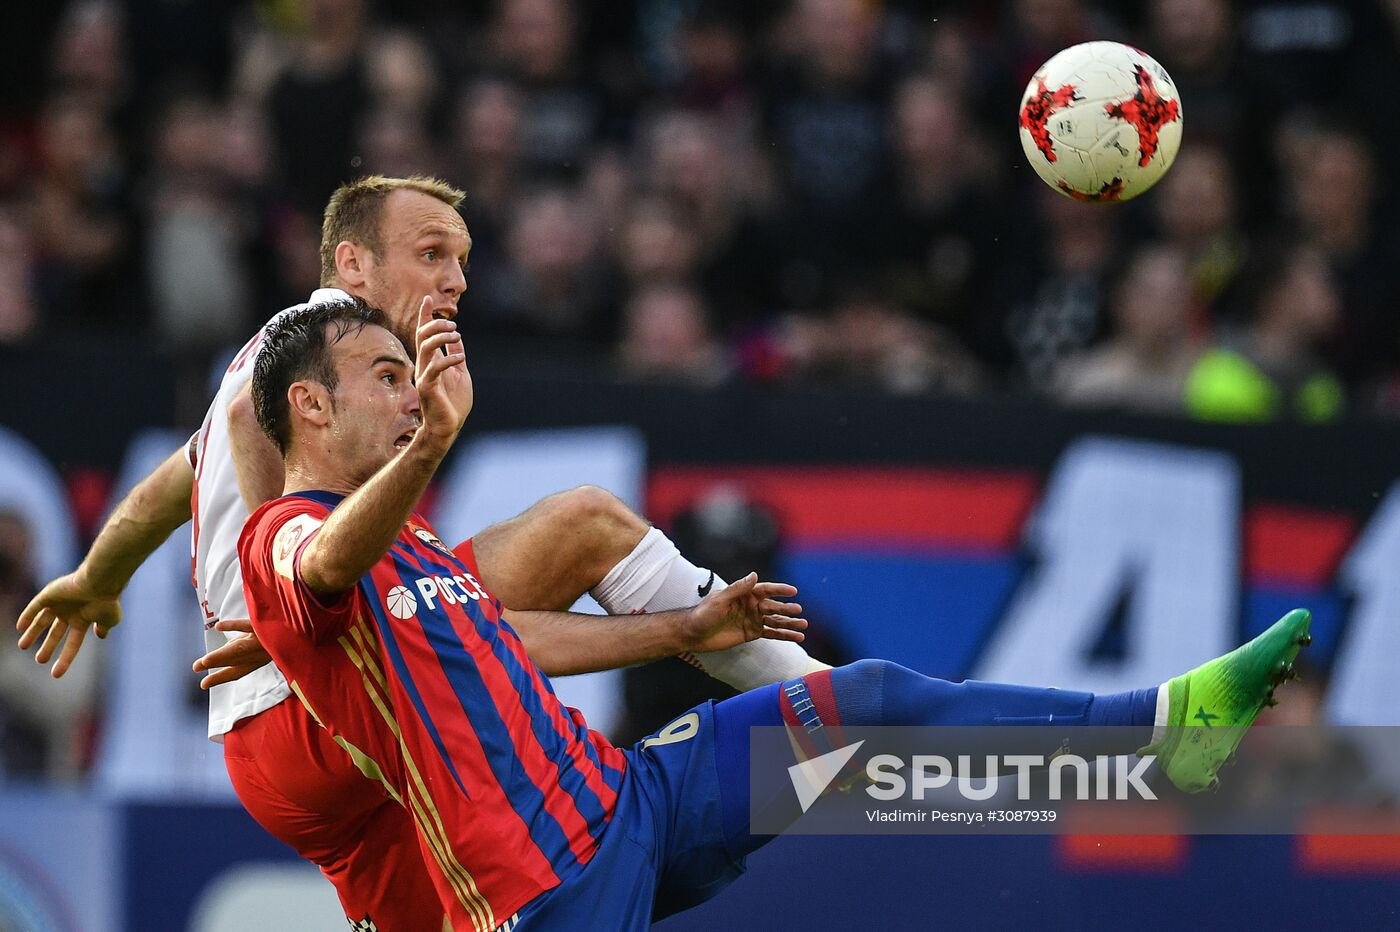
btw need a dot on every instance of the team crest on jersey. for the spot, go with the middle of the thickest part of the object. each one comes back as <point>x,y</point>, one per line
<point>426,536</point>
<point>287,542</point>
<point>289,537</point>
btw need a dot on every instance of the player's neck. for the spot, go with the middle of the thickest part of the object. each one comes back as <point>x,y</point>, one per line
<point>305,474</point>
<point>352,290</point>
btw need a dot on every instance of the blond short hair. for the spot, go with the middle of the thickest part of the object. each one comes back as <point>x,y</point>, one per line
<point>354,210</point>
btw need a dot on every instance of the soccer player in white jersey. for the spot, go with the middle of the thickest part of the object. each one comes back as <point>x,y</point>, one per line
<point>396,243</point>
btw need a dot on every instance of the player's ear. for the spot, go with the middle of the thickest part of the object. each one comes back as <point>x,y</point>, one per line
<point>310,401</point>
<point>350,263</point>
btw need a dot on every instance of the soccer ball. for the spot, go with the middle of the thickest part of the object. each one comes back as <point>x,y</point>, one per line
<point>1101,122</point>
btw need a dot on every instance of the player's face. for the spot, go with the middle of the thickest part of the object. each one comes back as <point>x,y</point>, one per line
<point>424,247</point>
<point>376,406</point>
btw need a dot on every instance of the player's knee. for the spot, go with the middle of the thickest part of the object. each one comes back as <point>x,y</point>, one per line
<point>859,690</point>
<point>601,515</point>
<point>880,692</point>
<point>865,675</point>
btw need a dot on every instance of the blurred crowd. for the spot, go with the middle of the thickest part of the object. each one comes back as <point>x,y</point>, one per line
<point>803,191</point>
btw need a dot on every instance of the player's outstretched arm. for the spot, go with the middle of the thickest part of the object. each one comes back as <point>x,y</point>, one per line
<point>87,597</point>
<point>360,530</point>
<point>564,643</point>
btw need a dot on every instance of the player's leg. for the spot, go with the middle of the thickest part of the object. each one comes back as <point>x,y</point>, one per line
<point>1227,693</point>
<point>1224,694</point>
<point>587,540</point>
<point>556,550</point>
<point>303,789</point>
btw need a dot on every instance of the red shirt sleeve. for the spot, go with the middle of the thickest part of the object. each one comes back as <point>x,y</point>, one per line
<point>269,552</point>
<point>467,555</point>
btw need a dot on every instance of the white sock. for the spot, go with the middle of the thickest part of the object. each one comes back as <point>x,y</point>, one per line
<point>655,577</point>
<point>1163,716</point>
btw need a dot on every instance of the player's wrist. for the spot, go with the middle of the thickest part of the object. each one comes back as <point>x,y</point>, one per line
<point>95,584</point>
<point>693,630</point>
<point>430,443</point>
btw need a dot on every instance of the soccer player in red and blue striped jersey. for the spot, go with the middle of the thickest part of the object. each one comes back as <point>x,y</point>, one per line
<point>527,819</point>
<point>393,644</point>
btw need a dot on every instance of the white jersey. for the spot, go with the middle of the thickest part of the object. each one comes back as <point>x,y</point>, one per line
<point>219,515</point>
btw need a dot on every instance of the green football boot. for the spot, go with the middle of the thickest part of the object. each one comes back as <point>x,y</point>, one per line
<point>1210,708</point>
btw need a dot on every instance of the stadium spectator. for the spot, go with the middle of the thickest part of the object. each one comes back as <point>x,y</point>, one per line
<point>718,185</point>
<point>313,103</point>
<point>89,57</point>
<point>195,240</point>
<point>395,129</point>
<point>1143,367</point>
<point>606,188</point>
<point>1271,368</point>
<point>655,245</point>
<point>485,152</point>
<point>1334,200</point>
<point>1052,287</point>
<point>535,44</point>
<point>76,214</point>
<point>551,285</point>
<point>17,311</point>
<point>1197,213</point>
<point>1195,41</point>
<point>402,74</point>
<point>666,336</point>
<point>938,245</point>
<point>394,141</point>
<point>951,56</point>
<point>712,65</point>
<point>826,114</point>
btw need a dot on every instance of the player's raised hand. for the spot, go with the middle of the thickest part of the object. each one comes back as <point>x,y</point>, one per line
<point>234,660</point>
<point>744,610</point>
<point>440,373</point>
<point>66,609</point>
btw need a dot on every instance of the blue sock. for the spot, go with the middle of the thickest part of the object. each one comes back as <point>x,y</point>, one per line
<point>1137,707</point>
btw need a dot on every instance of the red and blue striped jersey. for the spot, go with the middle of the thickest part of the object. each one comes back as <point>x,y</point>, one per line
<point>417,676</point>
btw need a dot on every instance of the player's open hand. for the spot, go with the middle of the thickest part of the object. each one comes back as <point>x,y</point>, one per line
<point>234,660</point>
<point>744,611</point>
<point>66,609</point>
<point>440,373</point>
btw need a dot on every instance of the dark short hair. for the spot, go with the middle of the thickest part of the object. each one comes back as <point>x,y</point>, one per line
<point>297,346</point>
<point>354,212</point>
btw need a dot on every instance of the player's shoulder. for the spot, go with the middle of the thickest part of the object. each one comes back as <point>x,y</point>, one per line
<point>284,523</point>
<point>240,369</point>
